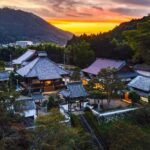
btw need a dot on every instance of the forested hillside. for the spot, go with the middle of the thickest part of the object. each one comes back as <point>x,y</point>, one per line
<point>16,25</point>
<point>118,43</point>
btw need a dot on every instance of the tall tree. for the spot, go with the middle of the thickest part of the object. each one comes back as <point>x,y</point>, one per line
<point>98,96</point>
<point>110,82</point>
<point>12,131</point>
<point>91,84</point>
<point>139,40</point>
<point>81,53</point>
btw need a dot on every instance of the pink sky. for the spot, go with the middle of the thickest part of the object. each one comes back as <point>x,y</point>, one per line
<point>84,11</point>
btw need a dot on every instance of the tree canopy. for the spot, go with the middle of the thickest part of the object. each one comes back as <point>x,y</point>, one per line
<point>81,54</point>
<point>139,40</point>
<point>53,134</point>
<point>110,82</point>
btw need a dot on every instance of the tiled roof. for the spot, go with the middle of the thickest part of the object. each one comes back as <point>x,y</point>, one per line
<point>142,67</point>
<point>4,76</point>
<point>74,90</point>
<point>24,104</point>
<point>130,74</point>
<point>65,93</point>
<point>101,63</point>
<point>24,57</point>
<point>37,96</point>
<point>42,68</point>
<point>141,83</point>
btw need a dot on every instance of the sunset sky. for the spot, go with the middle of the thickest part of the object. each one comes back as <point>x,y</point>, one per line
<point>83,16</point>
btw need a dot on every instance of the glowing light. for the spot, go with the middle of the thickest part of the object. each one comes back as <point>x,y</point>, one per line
<point>88,27</point>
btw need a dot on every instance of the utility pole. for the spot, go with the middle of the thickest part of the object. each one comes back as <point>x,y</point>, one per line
<point>10,59</point>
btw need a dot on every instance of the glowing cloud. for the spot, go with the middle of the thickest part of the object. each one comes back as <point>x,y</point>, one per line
<point>78,16</point>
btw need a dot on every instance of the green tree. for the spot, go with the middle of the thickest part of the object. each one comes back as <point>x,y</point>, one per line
<point>82,55</point>
<point>139,40</point>
<point>52,103</point>
<point>141,116</point>
<point>12,130</point>
<point>2,64</point>
<point>52,134</point>
<point>98,96</point>
<point>128,136</point>
<point>91,83</point>
<point>13,134</point>
<point>76,75</point>
<point>134,96</point>
<point>110,82</point>
<point>7,96</point>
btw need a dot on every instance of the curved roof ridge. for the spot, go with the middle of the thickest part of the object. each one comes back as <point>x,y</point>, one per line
<point>56,65</point>
<point>30,65</point>
<point>36,61</point>
<point>42,68</point>
<point>25,56</point>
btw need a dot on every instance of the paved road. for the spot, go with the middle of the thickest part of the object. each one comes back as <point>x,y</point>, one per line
<point>90,130</point>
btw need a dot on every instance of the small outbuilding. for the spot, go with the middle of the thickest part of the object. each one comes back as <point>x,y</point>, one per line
<point>74,93</point>
<point>26,107</point>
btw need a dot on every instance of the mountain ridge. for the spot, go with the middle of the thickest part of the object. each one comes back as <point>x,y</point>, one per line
<point>19,25</point>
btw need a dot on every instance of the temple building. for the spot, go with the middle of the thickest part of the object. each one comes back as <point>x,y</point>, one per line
<point>123,70</point>
<point>75,93</point>
<point>42,75</point>
<point>141,85</point>
<point>142,69</point>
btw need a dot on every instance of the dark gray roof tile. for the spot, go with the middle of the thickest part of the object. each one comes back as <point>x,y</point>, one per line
<point>141,83</point>
<point>74,90</point>
<point>42,68</point>
<point>24,57</point>
<point>101,63</point>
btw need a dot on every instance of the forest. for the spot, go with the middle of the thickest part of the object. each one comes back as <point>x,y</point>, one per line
<point>129,41</point>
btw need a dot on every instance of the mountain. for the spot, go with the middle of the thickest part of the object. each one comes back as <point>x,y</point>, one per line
<point>19,25</point>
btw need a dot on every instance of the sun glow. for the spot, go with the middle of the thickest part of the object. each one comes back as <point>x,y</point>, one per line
<point>81,27</point>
